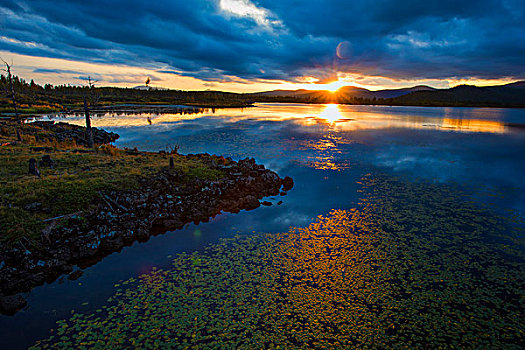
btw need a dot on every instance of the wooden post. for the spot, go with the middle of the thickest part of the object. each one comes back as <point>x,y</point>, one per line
<point>172,163</point>
<point>89,131</point>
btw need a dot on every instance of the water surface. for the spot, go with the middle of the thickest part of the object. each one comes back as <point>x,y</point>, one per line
<point>332,152</point>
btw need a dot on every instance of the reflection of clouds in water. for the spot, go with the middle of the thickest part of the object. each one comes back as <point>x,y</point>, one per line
<point>325,160</point>
<point>291,218</point>
<point>491,161</point>
<point>410,159</point>
<point>419,141</point>
<point>398,270</point>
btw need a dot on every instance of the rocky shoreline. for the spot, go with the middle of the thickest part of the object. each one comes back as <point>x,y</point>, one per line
<point>164,202</point>
<point>64,132</point>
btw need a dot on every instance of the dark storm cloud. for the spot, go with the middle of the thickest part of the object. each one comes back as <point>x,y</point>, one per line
<point>398,39</point>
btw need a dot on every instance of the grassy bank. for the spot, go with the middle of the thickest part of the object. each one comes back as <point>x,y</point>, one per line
<point>73,182</point>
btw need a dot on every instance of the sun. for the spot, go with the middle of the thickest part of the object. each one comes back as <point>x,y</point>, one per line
<point>333,86</point>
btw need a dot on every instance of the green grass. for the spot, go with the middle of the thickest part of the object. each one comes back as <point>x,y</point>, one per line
<point>30,110</point>
<point>74,183</point>
<point>204,173</point>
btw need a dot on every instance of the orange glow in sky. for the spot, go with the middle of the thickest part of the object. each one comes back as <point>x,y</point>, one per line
<point>61,71</point>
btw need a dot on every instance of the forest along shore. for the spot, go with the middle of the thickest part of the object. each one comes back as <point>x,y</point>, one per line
<point>64,206</point>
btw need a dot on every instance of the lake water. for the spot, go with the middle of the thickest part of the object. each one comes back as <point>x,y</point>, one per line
<point>372,167</point>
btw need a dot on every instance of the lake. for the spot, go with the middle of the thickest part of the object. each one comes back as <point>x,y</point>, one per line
<point>405,226</point>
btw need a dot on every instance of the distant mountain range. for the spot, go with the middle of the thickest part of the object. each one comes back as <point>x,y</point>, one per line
<point>502,95</point>
<point>348,91</point>
<point>509,95</point>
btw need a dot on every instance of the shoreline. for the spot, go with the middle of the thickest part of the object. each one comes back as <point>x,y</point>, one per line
<point>197,108</point>
<point>130,108</point>
<point>165,200</point>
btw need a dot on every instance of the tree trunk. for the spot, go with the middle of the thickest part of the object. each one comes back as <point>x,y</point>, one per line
<point>13,95</point>
<point>89,132</point>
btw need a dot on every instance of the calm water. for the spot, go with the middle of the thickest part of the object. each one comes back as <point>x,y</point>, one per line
<point>327,149</point>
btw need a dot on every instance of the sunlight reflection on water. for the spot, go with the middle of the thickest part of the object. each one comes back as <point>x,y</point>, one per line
<point>326,149</point>
<point>339,117</point>
<point>437,143</point>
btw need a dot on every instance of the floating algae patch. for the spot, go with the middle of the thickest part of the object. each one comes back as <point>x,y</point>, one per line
<point>416,265</point>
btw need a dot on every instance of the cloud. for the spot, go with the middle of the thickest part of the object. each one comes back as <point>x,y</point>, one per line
<point>245,8</point>
<point>55,71</point>
<point>286,40</point>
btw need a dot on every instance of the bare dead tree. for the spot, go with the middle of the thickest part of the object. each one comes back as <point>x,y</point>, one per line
<point>10,79</point>
<point>89,131</point>
<point>93,100</point>
<point>93,96</point>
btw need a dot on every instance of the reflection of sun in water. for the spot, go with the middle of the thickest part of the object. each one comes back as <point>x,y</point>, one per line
<point>331,113</point>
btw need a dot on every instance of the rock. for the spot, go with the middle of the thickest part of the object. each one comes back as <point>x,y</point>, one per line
<point>75,275</point>
<point>171,223</point>
<point>280,202</point>
<point>287,183</point>
<point>37,278</point>
<point>12,303</point>
<point>251,202</point>
<point>63,253</point>
<point>163,202</point>
<point>41,149</point>
<point>46,161</point>
<point>87,251</point>
<point>36,206</point>
<point>271,177</point>
<point>113,244</point>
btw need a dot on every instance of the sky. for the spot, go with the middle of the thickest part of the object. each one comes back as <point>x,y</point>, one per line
<point>257,45</point>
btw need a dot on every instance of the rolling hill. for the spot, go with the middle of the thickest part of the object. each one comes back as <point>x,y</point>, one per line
<point>503,95</point>
<point>509,95</point>
<point>346,92</point>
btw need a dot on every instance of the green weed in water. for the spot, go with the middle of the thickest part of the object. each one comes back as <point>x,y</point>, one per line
<point>416,266</point>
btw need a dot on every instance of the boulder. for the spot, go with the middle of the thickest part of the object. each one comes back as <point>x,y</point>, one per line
<point>12,303</point>
<point>75,275</point>
<point>287,183</point>
<point>250,202</point>
<point>46,161</point>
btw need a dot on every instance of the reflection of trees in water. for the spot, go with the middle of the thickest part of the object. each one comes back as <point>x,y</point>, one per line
<point>422,268</point>
<point>134,110</point>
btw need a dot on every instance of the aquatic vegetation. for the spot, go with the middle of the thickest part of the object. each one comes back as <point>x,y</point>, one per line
<point>415,265</point>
